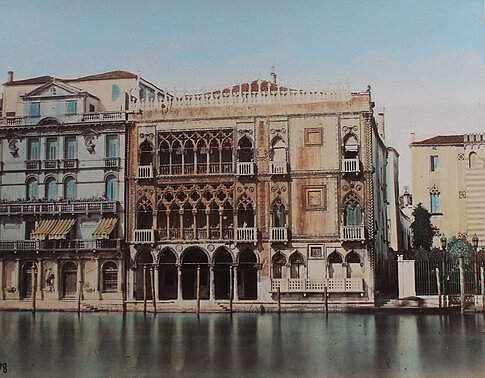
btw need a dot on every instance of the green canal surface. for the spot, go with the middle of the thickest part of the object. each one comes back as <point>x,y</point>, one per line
<point>286,345</point>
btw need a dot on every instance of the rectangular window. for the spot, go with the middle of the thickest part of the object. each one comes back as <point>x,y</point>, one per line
<point>70,148</point>
<point>434,161</point>
<point>34,149</point>
<point>315,197</point>
<point>315,251</point>
<point>51,151</point>
<point>92,108</point>
<point>435,203</point>
<point>111,146</point>
<point>35,109</point>
<point>313,137</point>
<point>71,107</point>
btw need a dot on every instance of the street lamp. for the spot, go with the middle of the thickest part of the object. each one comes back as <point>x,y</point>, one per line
<point>443,265</point>
<point>475,249</point>
<point>443,242</point>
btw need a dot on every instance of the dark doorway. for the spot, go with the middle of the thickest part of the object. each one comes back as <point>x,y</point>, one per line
<point>69,280</point>
<point>192,259</point>
<point>247,277</point>
<point>143,264</point>
<point>167,279</point>
<point>27,280</point>
<point>222,276</point>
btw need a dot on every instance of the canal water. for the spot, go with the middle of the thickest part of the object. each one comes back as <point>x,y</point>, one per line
<point>286,345</point>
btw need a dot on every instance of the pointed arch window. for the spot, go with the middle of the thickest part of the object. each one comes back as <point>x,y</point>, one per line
<point>278,153</point>
<point>296,265</point>
<point>279,261</point>
<point>279,214</point>
<point>353,212</point>
<point>146,153</point>
<point>434,200</point>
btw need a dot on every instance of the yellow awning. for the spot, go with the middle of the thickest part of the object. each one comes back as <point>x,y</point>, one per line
<point>61,229</point>
<point>43,228</point>
<point>105,228</point>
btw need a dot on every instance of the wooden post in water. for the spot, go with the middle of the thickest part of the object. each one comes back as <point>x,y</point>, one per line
<point>144,289</point>
<point>438,283</point>
<point>278,293</point>
<point>482,285</point>
<point>33,287</point>
<point>231,287</point>
<point>152,280</point>
<point>198,289</point>
<point>462,284</point>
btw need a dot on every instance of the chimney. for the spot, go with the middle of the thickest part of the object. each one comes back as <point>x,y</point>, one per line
<point>413,137</point>
<point>273,75</point>
<point>380,125</point>
<point>9,76</point>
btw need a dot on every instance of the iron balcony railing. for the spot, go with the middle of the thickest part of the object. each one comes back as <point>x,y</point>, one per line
<point>352,233</point>
<point>333,285</point>
<point>350,165</point>
<point>279,234</point>
<point>54,245</point>
<point>52,208</point>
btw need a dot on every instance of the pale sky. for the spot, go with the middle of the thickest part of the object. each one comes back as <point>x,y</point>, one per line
<point>423,58</point>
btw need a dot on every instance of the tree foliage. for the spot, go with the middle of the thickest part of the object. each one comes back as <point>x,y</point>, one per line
<point>423,230</point>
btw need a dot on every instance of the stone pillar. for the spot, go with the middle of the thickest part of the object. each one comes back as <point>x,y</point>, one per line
<point>236,294</point>
<point>179,282</point>
<point>17,278</point>
<point>79,277</point>
<point>57,280</point>
<point>406,280</point>
<point>2,290</point>
<point>181,225</point>
<point>40,280</point>
<point>212,284</point>
<point>156,278</point>
<point>130,284</point>
<point>207,220</point>
<point>235,225</point>
<point>99,289</point>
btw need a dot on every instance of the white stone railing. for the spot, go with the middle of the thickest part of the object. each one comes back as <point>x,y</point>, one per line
<point>66,118</point>
<point>278,167</point>
<point>51,245</point>
<point>352,233</point>
<point>42,208</point>
<point>104,116</point>
<point>145,171</point>
<point>246,234</point>
<point>264,95</point>
<point>144,236</point>
<point>245,169</point>
<point>333,285</point>
<point>279,234</point>
<point>474,138</point>
<point>350,165</point>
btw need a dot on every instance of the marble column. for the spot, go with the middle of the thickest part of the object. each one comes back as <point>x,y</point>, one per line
<point>179,282</point>
<point>236,294</point>
<point>156,279</point>
<point>212,284</point>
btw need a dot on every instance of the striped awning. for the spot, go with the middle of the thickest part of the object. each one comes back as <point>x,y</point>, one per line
<point>105,228</point>
<point>43,228</point>
<point>61,229</point>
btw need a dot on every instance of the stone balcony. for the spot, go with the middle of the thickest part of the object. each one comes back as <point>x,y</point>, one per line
<point>67,118</point>
<point>247,234</point>
<point>278,167</point>
<point>350,165</point>
<point>278,234</point>
<point>245,169</point>
<point>352,233</point>
<point>59,245</point>
<point>55,208</point>
<point>189,234</point>
<point>145,172</point>
<point>308,285</point>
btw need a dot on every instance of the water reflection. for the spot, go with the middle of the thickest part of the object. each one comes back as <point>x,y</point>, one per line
<point>62,344</point>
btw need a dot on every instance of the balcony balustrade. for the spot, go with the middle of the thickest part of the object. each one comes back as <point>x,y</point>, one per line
<point>44,208</point>
<point>32,164</point>
<point>279,234</point>
<point>70,164</point>
<point>247,234</point>
<point>145,171</point>
<point>112,162</point>
<point>350,165</point>
<point>51,164</point>
<point>144,236</point>
<point>245,169</point>
<point>278,167</point>
<point>307,285</point>
<point>200,168</point>
<point>68,118</point>
<point>53,245</point>
<point>352,233</point>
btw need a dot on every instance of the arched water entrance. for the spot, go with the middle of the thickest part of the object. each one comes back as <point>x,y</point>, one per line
<point>191,259</point>
<point>26,288</point>
<point>69,280</point>
<point>247,280</point>
<point>222,275</point>
<point>167,279</point>
<point>143,260</point>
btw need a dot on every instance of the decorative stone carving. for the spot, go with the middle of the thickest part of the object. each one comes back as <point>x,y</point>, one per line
<point>13,148</point>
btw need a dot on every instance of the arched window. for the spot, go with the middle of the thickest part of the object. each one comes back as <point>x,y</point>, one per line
<point>434,199</point>
<point>351,146</point>
<point>164,158</point>
<point>146,157</point>
<point>335,268</point>
<point>51,189</point>
<point>111,188</point>
<point>296,264</point>
<point>32,189</point>
<point>278,150</point>
<point>245,150</point>
<point>110,277</point>
<point>472,160</point>
<point>69,188</point>
<point>353,212</point>
<point>354,270</point>
<point>279,214</point>
<point>279,262</point>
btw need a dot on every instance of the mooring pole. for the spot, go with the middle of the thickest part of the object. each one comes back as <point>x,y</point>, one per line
<point>462,284</point>
<point>438,283</point>
<point>325,295</point>
<point>198,289</point>
<point>482,286</point>
<point>33,287</point>
<point>144,289</point>
<point>278,293</point>
<point>152,280</point>
<point>231,287</point>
